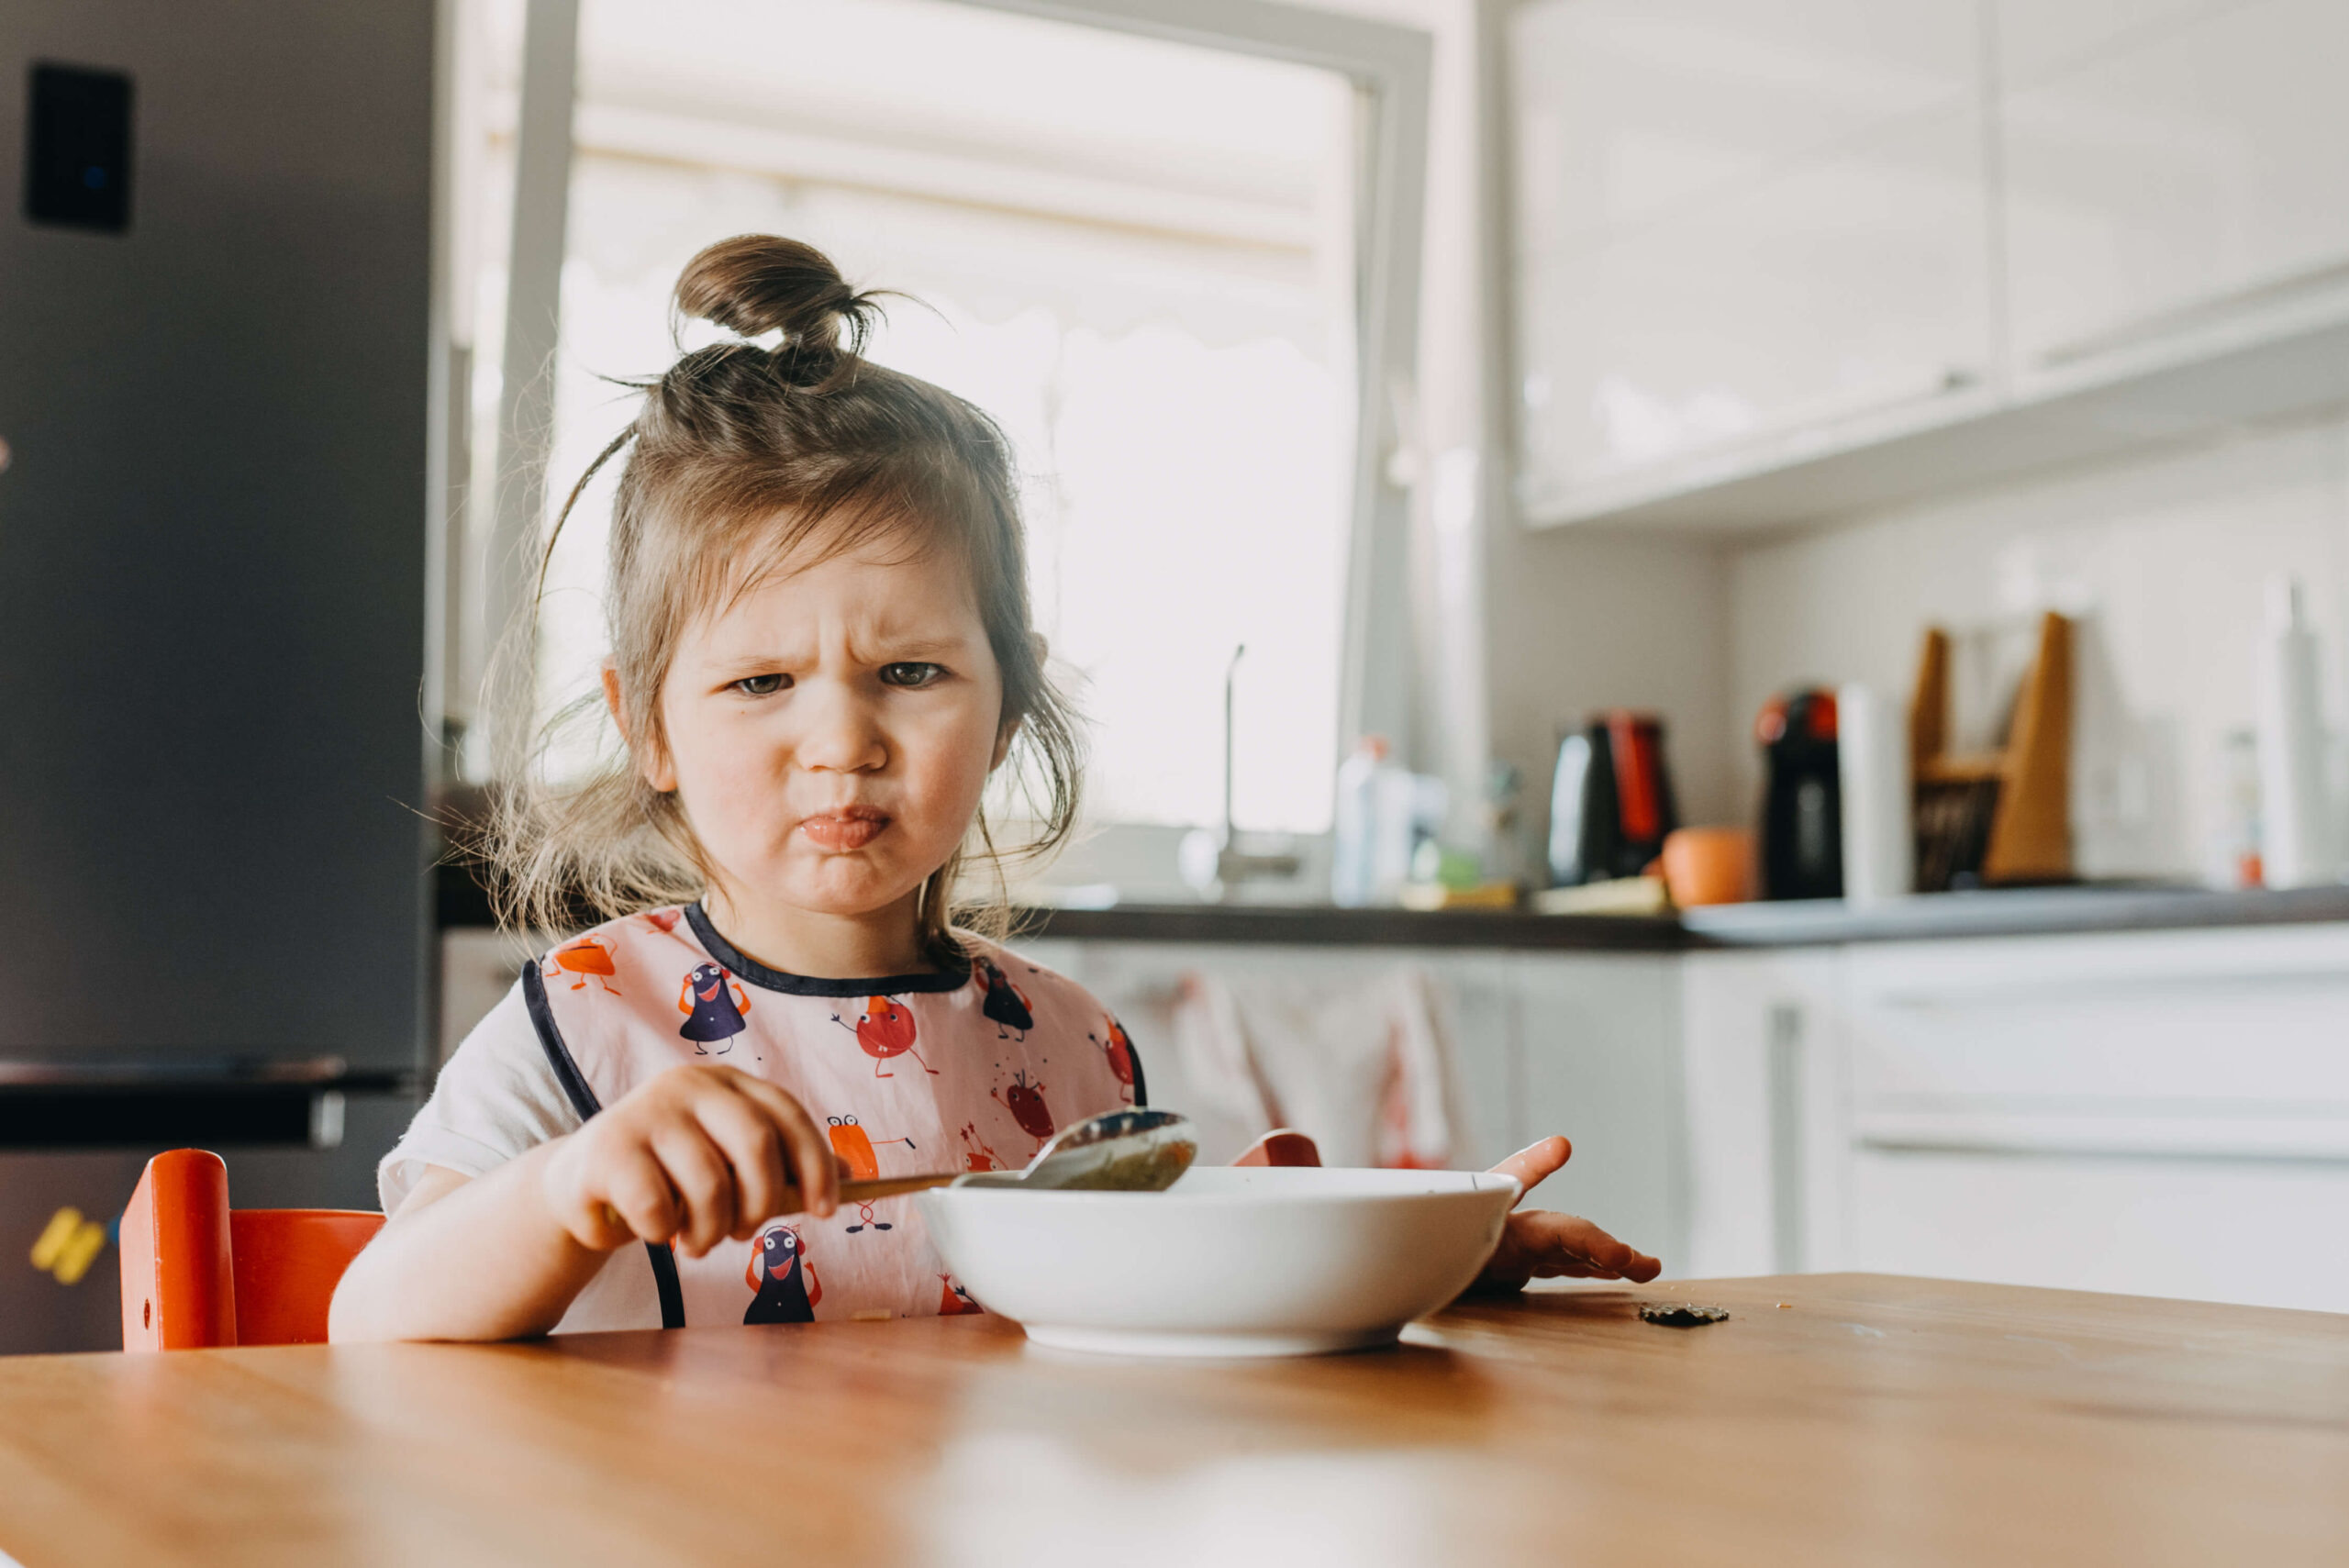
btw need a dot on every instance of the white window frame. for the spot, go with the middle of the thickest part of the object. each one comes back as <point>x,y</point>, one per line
<point>1390,68</point>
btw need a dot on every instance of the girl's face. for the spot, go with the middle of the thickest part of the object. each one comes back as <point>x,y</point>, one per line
<point>830,732</point>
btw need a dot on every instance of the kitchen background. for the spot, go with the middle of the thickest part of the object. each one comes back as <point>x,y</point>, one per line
<point>1479,366</point>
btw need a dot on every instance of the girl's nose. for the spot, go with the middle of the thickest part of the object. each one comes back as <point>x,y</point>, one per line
<point>842,734</point>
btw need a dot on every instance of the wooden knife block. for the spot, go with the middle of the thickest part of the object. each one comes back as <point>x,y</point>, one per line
<point>2024,788</point>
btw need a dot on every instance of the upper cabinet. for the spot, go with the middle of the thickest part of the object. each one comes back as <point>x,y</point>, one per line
<point>1774,260</point>
<point>2169,166</point>
<point>1737,219</point>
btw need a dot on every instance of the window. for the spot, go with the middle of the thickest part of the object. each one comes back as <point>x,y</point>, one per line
<point>1141,255</point>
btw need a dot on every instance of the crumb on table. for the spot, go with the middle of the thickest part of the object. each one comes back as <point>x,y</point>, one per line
<point>1681,1314</point>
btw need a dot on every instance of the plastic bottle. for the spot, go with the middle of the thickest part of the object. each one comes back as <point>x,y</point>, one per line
<point>1872,759</point>
<point>2295,849</point>
<point>1353,867</point>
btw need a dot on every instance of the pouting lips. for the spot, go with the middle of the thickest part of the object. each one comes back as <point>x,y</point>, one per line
<point>850,828</point>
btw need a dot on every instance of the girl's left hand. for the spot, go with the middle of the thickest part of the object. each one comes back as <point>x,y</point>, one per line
<point>1537,1244</point>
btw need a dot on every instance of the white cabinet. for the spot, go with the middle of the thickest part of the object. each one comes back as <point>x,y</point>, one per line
<point>2230,1044</point>
<point>2159,1113</point>
<point>1595,1036</point>
<point>2167,165</point>
<point>1768,1144</point>
<point>2163,1114</point>
<point>2261,1232</point>
<point>1776,262</point>
<point>1732,220</point>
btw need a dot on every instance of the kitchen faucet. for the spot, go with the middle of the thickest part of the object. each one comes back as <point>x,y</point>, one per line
<point>1211,859</point>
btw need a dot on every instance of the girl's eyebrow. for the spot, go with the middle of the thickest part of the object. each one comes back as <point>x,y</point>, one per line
<point>891,652</point>
<point>921,648</point>
<point>745,664</point>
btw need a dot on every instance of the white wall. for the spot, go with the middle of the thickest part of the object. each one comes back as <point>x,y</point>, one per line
<point>2163,557</point>
<point>1582,621</point>
<point>1569,621</point>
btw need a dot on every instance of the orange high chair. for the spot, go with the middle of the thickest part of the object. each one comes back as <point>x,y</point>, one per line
<point>196,1273</point>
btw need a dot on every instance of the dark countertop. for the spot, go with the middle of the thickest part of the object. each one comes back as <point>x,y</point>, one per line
<point>2038,911</point>
<point>1326,925</point>
<point>1806,923</point>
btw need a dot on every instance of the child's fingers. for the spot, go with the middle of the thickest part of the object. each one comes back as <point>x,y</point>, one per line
<point>703,1182</point>
<point>1568,1245</point>
<point>638,1191</point>
<point>812,1163</point>
<point>583,1215</point>
<point>1536,1164</point>
<point>747,1136</point>
<point>592,1222</point>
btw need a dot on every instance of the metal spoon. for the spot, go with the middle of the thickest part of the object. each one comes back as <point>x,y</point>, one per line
<point>1133,1151</point>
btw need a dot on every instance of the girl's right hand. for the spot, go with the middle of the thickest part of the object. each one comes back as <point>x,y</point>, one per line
<point>695,1156</point>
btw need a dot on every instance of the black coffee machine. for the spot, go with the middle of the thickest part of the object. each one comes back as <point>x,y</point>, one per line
<point>1802,798</point>
<point>1611,801</point>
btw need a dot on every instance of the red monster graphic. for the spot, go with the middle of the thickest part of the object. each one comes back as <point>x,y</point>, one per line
<point>588,955</point>
<point>661,920</point>
<point>854,1144</point>
<point>1120,1053</point>
<point>954,1301</point>
<point>977,1154</point>
<point>885,1030</point>
<point>1025,1101</point>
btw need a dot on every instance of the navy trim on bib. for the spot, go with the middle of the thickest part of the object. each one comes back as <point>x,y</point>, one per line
<point>566,1071</point>
<point>582,1100</point>
<point>665,1285</point>
<point>1134,1059</point>
<point>743,966</point>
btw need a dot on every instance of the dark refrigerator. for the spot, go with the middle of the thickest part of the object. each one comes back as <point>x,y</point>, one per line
<point>216,351</point>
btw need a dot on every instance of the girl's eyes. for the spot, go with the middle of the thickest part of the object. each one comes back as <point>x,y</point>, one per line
<point>910,675</point>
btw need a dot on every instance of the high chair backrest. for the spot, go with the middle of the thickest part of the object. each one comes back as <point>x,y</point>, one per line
<point>196,1274</point>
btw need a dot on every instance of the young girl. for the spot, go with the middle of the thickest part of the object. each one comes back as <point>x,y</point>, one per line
<point>820,650</point>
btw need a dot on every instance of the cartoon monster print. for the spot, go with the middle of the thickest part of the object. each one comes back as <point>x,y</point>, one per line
<point>714,1003</point>
<point>1025,1101</point>
<point>1120,1053</point>
<point>590,955</point>
<point>1003,1002</point>
<point>885,1030</point>
<point>661,921</point>
<point>854,1144</point>
<point>977,1154</point>
<point>954,1301</point>
<point>789,1290</point>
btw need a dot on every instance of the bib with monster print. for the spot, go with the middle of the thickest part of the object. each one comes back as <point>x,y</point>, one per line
<point>970,1070</point>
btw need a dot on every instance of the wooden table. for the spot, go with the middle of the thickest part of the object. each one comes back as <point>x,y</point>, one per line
<point>1871,1420</point>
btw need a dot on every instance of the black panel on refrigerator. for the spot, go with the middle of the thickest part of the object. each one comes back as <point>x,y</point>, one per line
<point>77,148</point>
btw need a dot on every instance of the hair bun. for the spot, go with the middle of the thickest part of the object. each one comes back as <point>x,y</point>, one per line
<point>756,283</point>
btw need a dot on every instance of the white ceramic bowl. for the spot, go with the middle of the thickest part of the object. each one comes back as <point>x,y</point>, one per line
<point>1266,1261</point>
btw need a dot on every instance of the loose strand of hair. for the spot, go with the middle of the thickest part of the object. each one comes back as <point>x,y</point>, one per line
<point>546,555</point>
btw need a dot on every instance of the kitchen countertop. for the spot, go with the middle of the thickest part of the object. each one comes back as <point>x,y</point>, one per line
<point>1811,922</point>
<point>1867,1420</point>
<point>1808,922</point>
<point>1326,925</point>
<point>2007,912</point>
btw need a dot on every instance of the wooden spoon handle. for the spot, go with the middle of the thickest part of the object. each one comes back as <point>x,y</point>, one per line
<point>851,1192</point>
<point>866,1191</point>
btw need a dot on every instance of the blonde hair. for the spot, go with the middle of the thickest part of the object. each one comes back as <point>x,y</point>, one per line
<point>742,458</point>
